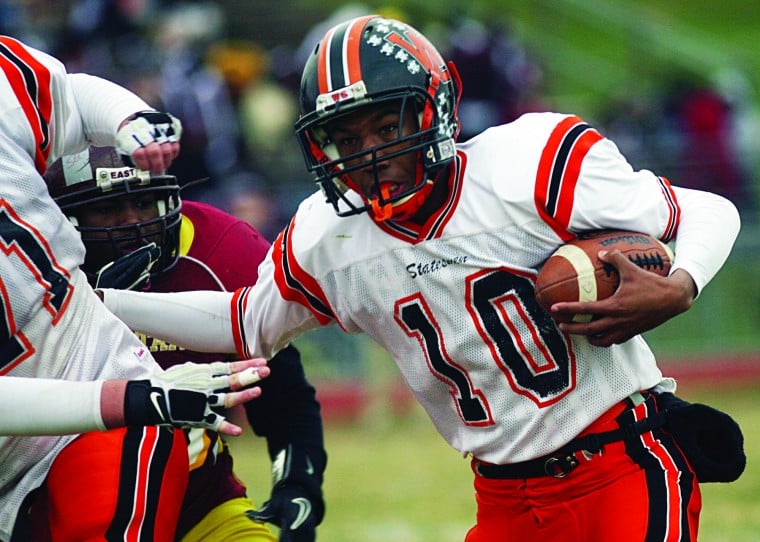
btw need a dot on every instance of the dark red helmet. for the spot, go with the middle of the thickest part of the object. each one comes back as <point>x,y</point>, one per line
<point>369,60</point>
<point>99,174</point>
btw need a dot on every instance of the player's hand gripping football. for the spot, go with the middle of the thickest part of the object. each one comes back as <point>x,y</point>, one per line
<point>131,271</point>
<point>194,394</point>
<point>149,140</point>
<point>642,302</point>
<point>296,505</point>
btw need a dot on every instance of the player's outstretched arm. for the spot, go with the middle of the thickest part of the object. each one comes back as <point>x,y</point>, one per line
<point>196,320</point>
<point>187,395</point>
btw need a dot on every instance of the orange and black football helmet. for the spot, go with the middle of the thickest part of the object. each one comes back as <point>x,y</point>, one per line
<point>370,60</point>
<point>99,174</point>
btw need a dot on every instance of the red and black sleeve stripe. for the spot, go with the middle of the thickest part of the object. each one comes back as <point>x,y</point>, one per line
<point>294,283</point>
<point>558,172</point>
<point>30,81</point>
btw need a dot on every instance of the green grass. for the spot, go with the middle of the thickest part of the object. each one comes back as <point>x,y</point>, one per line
<point>386,480</point>
<point>396,479</point>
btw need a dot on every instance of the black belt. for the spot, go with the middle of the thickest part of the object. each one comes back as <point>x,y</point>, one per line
<point>560,463</point>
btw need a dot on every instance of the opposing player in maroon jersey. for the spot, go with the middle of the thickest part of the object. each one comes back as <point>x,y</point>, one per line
<point>140,235</point>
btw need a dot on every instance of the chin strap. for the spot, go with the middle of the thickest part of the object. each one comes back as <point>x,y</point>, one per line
<point>381,213</point>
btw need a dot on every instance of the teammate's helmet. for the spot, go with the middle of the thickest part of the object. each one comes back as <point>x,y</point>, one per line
<point>369,60</point>
<point>99,174</point>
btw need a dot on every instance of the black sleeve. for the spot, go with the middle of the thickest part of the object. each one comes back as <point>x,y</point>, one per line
<point>288,411</point>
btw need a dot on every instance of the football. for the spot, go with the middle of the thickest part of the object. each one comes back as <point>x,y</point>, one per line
<point>575,273</point>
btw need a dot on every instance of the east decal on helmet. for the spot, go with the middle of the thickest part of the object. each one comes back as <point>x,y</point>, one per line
<point>369,60</point>
<point>99,174</point>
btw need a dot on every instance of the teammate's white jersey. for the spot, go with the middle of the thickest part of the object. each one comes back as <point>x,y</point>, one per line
<point>453,301</point>
<point>51,323</point>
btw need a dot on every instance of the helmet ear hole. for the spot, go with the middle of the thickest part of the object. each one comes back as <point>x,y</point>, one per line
<point>456,82</point>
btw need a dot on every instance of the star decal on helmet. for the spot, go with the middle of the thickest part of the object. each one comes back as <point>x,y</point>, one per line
<point>445,126</point>
<point>379,37</point>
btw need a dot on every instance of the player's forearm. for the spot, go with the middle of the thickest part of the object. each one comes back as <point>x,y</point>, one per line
<point>102,106</point>
<point>198,320</point>
<point>706,234</point>
<point>39,406</point>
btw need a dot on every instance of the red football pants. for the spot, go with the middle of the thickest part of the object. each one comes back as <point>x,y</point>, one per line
<point>640,491</point>
<point>123,484</point>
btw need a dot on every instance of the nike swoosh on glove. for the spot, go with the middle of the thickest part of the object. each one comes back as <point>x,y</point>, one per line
<point>186,395</point>
<point>291,510</point>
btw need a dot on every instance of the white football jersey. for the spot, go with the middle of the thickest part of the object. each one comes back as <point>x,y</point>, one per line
<point>453,301</point>
<point>51,322</point>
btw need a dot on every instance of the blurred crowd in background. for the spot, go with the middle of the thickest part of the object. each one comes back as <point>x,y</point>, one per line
<point>238,98</point>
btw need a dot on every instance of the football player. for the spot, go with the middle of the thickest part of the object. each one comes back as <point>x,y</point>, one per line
<point>55,328</point>
<point>432,247</point>
<point>121,214</point>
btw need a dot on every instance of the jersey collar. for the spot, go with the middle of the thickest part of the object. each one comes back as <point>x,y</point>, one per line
<point>436,222</point>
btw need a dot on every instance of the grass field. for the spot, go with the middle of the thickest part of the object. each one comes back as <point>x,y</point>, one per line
<point>394,478</point>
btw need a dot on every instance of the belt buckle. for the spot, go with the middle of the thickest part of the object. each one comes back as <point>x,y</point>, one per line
<point>559,467</point>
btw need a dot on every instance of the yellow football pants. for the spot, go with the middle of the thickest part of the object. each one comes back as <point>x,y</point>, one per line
<point>228,522</point>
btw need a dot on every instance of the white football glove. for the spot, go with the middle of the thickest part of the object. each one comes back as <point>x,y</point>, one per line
<point>187,395</point>
<point>147,127</point>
